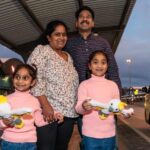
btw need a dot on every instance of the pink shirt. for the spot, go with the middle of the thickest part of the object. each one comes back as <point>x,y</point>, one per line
<point>103,90</point>
<point>28,132</point>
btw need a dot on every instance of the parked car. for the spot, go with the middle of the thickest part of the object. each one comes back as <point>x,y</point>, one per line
<point>147,108</point>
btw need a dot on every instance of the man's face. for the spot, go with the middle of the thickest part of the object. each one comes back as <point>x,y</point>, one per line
<point>85,22</point>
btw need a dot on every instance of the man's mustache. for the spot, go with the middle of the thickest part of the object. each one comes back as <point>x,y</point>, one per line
<point>84,21</point>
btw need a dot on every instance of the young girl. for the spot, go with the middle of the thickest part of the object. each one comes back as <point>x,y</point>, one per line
<point>97,133</point>
<point>24,138</point>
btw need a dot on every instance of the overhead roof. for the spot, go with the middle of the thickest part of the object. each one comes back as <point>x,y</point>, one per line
<point>23,21</point>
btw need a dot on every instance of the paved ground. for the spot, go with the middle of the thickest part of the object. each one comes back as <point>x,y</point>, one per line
<point>130,139</point>
<point>75,140</point>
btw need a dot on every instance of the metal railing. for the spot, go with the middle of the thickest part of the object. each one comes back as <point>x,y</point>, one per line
<point>131,99</point>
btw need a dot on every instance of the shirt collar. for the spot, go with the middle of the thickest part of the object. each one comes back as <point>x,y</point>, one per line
<point>97,78</point>
<point>89,36</point>
<point>20,93</point>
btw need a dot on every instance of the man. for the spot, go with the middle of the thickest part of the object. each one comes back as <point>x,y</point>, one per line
<point>81,45</point>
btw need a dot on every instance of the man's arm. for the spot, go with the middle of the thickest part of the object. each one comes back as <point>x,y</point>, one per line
<point>113,71</point>
<point>39,59</point>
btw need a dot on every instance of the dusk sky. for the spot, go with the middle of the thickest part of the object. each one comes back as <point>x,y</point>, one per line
<point>135,45</point>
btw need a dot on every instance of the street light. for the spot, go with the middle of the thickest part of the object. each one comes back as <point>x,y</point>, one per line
<point>129,68</point>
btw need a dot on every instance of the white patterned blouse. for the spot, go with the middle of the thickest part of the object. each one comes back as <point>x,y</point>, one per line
<point>57,79</point>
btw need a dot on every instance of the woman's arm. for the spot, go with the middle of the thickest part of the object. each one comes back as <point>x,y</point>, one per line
<point>39,58</point>
<point>47,109</point>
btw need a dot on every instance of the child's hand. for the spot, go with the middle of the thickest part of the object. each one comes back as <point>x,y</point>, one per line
<point>8,121</point>
<point>86,105</point>
<point>59,117</point>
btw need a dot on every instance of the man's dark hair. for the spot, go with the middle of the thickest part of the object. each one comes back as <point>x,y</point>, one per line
<point>84,8</point>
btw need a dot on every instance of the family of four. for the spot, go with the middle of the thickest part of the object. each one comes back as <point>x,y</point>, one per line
<point>49,84</point>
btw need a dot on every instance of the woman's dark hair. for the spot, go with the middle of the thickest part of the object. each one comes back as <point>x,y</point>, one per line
<point>95,53</point>
<point>50,28</point>
<point>82,9</point>
<point>31,69</point>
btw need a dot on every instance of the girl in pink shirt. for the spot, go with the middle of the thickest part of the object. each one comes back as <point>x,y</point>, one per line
<point>23,138</point>
<point>97,133</point>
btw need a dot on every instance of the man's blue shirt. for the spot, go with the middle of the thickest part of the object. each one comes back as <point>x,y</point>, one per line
<point>80,49</point>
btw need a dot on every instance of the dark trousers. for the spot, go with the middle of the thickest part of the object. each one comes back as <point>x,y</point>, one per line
<point>55,136</point>
<point>79,124</point>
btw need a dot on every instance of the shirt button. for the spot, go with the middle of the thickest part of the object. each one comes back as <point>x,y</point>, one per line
<point>85,42</point>
<point>86,49</point>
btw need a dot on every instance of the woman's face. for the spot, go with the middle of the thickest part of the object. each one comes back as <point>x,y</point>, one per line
<point>58,38</point>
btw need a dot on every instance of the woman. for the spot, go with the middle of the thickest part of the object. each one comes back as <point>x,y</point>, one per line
<point>56,87</point>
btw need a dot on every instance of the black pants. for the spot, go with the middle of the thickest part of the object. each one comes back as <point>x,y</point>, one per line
<point>79,125</point>
<point>55,136</point>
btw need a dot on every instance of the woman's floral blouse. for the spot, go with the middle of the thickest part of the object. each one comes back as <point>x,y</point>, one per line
<point>57,79</point>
